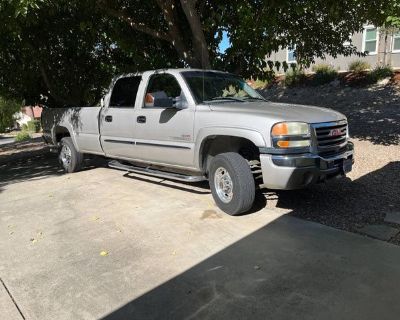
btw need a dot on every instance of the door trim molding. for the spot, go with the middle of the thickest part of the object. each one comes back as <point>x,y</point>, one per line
<point>119,141</point>
<point>147,144</point>
<point>161,145</point>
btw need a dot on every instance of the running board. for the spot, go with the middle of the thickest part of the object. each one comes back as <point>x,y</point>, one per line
<point>155,173</point>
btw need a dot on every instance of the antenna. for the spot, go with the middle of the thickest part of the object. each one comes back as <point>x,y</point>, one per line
<point>202,66</point>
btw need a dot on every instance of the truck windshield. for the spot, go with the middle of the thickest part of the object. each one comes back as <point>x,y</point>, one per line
<point>211,86</point>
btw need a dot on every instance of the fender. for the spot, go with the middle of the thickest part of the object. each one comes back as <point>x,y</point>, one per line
<point>65,124</point>
<point>204,133</point>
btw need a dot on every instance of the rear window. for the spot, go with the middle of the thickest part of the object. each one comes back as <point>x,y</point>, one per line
<point>124,92</point>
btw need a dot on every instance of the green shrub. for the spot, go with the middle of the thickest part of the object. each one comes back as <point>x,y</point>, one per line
<point>34,126</point>
<point>8,108</point>
<point>324,73</point>
<point>24,127</point>
<point>358,66</point>
<point>294,77</point>
<point>380,72</point>
<point>259,84</point>
<point>22,136</point>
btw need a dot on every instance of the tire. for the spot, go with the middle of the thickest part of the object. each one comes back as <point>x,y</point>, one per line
<point>238,196</point>
<point>69,158</point>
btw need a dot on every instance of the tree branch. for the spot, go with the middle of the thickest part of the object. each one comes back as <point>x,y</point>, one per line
<point>141,27</point>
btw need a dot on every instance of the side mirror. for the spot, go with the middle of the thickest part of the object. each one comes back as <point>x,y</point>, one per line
<point>102,102</point>
<point>180,102</point>
<point>158,99</point>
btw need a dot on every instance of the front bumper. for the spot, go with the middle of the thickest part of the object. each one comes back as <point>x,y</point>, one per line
<point>295,171</point>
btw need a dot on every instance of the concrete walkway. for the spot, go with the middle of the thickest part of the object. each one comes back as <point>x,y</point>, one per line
<point>98,244</point>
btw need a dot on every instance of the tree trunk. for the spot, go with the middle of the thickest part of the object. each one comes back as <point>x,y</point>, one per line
<point>175,33</point>
<point>199,41</point>
<point>385,48</point>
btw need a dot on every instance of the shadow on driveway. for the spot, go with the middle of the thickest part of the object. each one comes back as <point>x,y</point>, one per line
<point>344,204</point>
<point>289,269</point>
<point>34,165</point>
<point>37,166</point>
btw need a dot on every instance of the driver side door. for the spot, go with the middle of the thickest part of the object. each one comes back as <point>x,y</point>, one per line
<point>165,135</point>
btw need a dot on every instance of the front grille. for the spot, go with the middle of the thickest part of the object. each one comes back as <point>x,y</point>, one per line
<point>330,136</point>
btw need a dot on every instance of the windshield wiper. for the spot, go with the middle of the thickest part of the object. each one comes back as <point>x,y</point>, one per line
<point>254,98</point>
<point>224,98</point>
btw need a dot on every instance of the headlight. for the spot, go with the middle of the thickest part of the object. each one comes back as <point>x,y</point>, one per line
<point>291,135</point>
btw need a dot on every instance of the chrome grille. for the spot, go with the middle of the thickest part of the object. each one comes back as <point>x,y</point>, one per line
<point>330,135</point>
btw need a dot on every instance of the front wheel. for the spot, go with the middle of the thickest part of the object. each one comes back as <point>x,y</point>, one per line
<point>70,159</point>
<point>232,183</point>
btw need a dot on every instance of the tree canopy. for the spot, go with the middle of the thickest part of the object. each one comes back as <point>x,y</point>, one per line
<point>60,52</point>
<point>8,108</point>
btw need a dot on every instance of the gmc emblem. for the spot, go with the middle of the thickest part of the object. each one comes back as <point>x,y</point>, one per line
<point>335,132</point>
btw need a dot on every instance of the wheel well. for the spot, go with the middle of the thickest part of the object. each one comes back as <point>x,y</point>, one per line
<point>215,145</point>
<point>61,132</point>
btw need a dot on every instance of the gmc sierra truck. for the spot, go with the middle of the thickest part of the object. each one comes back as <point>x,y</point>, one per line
<point>193,125</point>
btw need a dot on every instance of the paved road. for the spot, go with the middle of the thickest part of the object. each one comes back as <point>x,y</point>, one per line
<point>169,253</point>
<point>6,140</point>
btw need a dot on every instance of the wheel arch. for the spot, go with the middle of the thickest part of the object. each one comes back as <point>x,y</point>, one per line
<point>60,131</point>
<point>218,140</point>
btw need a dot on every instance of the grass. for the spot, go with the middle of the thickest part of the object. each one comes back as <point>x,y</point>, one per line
<point>294,77</point>
<point>379,73</point>
<point>324,73</point>
<point>359,66</point>
<point>22,136</point>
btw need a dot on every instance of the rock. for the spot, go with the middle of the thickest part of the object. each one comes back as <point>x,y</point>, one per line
<point>393,217</point>
<point>379,231</point>
<point>383,82</point>
<point>335,83</point>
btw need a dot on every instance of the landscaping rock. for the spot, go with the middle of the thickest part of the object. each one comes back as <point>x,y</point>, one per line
<point>384,82</point>
<point>379,231</point>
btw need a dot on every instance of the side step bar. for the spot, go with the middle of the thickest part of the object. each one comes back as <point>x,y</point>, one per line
<point>155,173</point>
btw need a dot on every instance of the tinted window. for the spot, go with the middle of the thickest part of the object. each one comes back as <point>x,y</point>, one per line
<point>164,82</point>
<point>207,86</point>
<point>124,92</point>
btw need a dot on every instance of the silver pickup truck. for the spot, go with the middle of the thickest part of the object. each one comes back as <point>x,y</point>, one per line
<point>193,125</point>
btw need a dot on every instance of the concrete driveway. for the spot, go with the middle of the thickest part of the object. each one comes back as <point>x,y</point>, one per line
<point>103,245</point>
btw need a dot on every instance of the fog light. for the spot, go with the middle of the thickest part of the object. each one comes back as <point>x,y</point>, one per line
<point>293,143</point>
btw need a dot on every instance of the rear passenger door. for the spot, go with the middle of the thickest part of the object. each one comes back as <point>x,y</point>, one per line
<point>117,121</point>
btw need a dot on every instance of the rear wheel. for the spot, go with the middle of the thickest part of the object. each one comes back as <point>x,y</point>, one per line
<point>232,183</point>
<point>70,159</point>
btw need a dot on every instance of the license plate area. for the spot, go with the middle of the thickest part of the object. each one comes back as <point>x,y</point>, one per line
<point>347,165</point>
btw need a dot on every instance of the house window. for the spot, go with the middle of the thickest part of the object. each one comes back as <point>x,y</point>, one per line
<point>370,40</point>
<point>396,42</point>
<point>291,54</point>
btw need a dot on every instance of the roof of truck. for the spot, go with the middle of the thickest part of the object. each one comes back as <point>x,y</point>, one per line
<point>170,70</point>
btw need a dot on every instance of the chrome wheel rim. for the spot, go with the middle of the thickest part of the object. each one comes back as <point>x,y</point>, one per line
<point>65,156</point>
<point>223,185</point>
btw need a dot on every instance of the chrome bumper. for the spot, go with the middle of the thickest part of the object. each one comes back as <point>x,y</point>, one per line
<point>295,171</point>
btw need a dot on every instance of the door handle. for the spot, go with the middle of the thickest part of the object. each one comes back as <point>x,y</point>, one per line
<point>108,118</point>
<point>141,119</point>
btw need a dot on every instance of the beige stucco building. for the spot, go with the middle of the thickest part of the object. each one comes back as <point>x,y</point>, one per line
<point>383,48</point>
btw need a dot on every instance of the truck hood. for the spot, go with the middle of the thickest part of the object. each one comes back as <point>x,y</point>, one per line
<point>280,111</point>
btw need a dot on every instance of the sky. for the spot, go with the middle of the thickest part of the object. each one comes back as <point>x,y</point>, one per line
<point>224,44</point>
